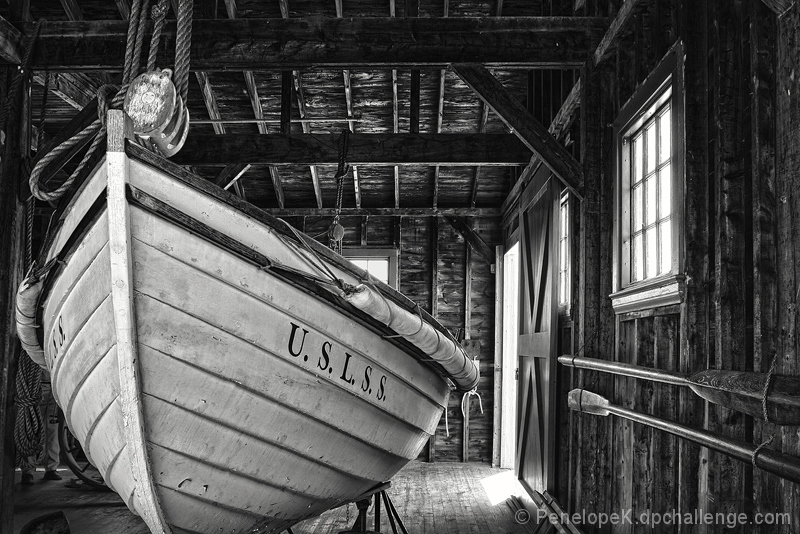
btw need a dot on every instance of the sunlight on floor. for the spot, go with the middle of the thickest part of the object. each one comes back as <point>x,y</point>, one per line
<point>501,486</point>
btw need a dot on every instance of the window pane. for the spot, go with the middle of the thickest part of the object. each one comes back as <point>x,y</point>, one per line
<point>650,207</point>
<point>665,151</point>
<point>379,268</point>
<point>638,204</point>
<point>665,194</point>
<point>651,242</point>
<point>651,148</point>
<point>665,229</point>
<point>638,263</point>
<point>637,158</point>
<point>362,263</point>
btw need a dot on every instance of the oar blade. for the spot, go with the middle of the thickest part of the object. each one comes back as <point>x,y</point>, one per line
<point>581,400</point>
<point>744,392</point>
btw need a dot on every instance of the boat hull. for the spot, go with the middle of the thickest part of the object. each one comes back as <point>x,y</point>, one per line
<point>233,399</point>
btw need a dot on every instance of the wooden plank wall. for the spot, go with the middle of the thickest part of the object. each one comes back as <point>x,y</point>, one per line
<point>741,238</point>
<point>418,238</point>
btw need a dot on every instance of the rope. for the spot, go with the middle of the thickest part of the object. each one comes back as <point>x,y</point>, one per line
<point>28,428</point>
<point>158,15</point>
<point>139,43</point>
<point>764,395</point>
<point>465,401</point>
<point>183,41</point>
<point>130,41</point>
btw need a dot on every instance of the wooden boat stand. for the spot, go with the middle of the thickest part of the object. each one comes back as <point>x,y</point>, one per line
<point>363,502</point>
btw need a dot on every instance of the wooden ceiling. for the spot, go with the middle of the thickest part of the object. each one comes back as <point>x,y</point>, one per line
<point>422,141</point>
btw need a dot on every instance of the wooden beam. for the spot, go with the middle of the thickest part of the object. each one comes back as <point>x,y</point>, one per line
<point>72,9</point>
<point>779,7</point>
<point>124,7</point>
<point>383,212</point>
<point>567,112</point>
<point>525,126</point>
<point>75,89</point>
<point>464,229</point>
<point>210,101</point>
<point>324,43</point>
<point>230,173</point>
<point>476,177</point>
<point>12,48</point>
<point>364,149</point>
<point>439,121</point>
<point>619,25</point>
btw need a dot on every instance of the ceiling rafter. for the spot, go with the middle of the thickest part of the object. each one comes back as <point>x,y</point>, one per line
<point>452,150</point>
<point>326,42</point>
<point>384,212</point>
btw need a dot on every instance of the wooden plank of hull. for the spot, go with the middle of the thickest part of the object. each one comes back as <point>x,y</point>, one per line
<point>234,311</point>
<point>326,450</point>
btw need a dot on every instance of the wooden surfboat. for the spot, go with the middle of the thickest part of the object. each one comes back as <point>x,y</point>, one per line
<point>206,360</point>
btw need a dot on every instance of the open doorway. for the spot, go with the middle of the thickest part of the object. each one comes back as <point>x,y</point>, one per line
<point>511,296</point>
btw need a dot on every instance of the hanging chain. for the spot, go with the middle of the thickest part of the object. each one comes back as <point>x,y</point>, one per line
<point>336,231</point>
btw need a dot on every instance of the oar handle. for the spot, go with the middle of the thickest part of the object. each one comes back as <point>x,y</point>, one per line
<point>624,369</point>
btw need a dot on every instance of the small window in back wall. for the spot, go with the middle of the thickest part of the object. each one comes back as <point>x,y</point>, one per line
<point>381,264</point>
<point>648,229</point>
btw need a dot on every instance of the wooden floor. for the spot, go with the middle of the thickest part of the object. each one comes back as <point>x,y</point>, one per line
<point>439,498</point>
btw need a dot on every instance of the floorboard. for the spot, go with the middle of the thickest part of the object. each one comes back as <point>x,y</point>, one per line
<point>438,498</point>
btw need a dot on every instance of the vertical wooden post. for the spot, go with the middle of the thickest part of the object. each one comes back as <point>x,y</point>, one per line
<point>595,318</point>
<point>434,305</point>
<point>762,31</point>
<point>788,238</point>
<point>731,175</point>
<point>12,223</point>
<point>692,480</point>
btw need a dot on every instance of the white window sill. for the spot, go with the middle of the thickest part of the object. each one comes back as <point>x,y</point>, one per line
<point>662,291</point>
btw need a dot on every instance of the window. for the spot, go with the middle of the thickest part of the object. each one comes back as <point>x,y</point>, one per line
<point>649,197</point>
<point>564,292</point>
<point>381,264</point>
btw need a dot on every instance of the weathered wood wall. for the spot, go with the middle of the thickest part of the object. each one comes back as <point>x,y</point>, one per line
<point>433,261</point>
<point>741,236</point>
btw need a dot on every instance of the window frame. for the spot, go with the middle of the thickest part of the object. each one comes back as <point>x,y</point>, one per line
<point>392,254</point>
<point>664,289</point>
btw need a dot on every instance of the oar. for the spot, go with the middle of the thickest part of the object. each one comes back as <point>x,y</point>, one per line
<point>780,464</point>
<point>736,390</point>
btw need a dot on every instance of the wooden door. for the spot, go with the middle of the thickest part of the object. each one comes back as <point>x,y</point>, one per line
<point>536,439</point>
